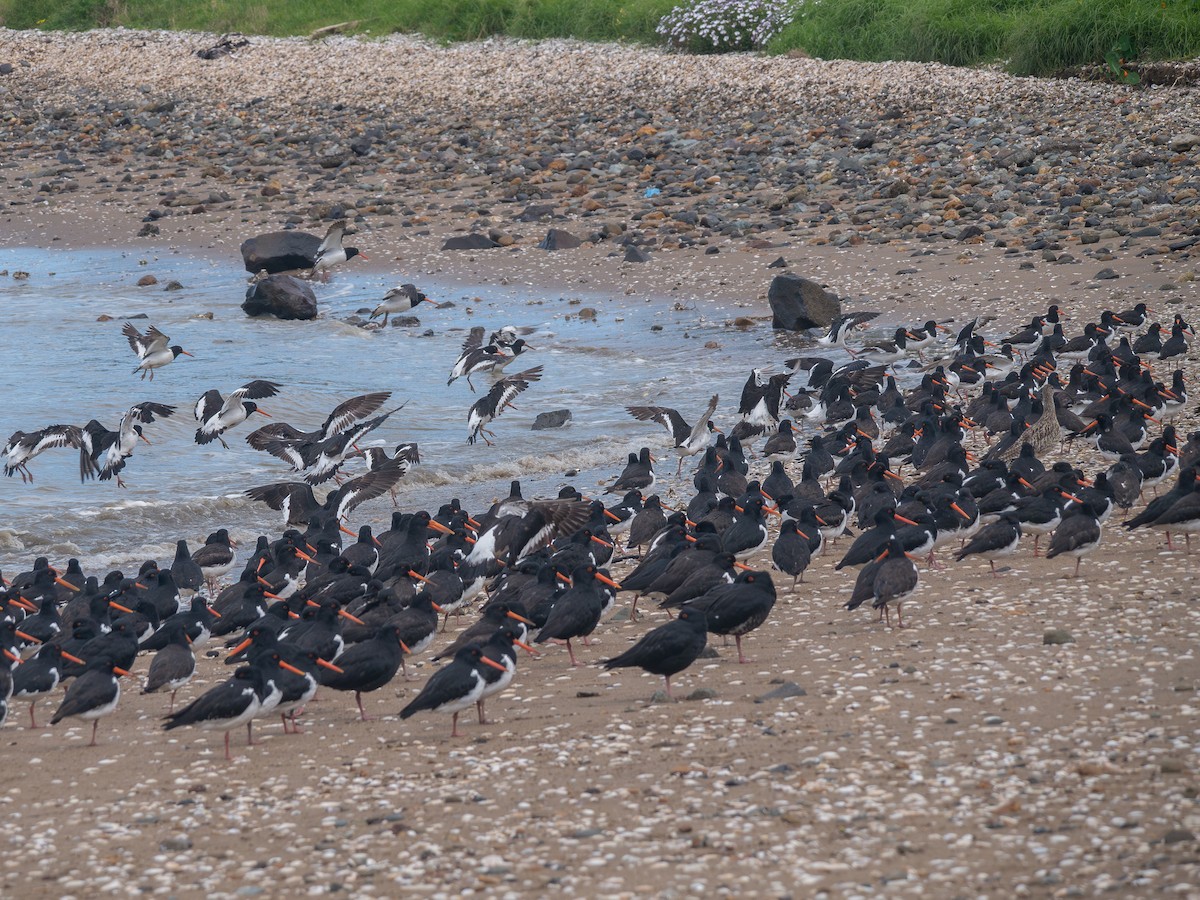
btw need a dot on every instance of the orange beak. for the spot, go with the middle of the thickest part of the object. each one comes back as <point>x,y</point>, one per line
<point>325,664</point>
<point>65,584</point>
<point>71,657</point>
<point>438,526</point>
<point>353,618</point>
<point>958,509</point>
<point>240,647</point>
<point>524,646</point>
<point>492,663</point>
<point>519,618</point>
<point>284,664</point>
<point>601,577</point>
<point>119,671</point>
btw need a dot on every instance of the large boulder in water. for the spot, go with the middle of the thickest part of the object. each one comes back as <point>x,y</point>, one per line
<point>281,296</point>
<point>798,303</point>
<point>280,251</point>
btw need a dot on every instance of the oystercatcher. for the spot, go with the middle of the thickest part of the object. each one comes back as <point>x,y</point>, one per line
<point>224,707</point>
<point>688,439</point>
<point>94,694</point>
<point>455,687</point>
<point>174,665</point>
<point>475,358</point>
<point>895,580</point>
<point>669,648</point>
<point>151,349</point>
<point>217,415</point>
<point>216,557</point>
<point>492,404</point>
<point>22,447</point>
<point>369,665</point>
<point>331,252</point>
<point>298,503</point>
<point>999,538</point>
<point>578,610</point>
<point>38,676</point>
<point>500,648</point>
<point>102,453</point>
<point>398,300</point>
<point>1078,535</point>
<point>738,608</point>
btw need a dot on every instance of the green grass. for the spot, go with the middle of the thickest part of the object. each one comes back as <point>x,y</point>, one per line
<point>1026,36</point>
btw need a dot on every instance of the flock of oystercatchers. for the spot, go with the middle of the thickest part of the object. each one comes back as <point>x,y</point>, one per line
<point>309,611</point>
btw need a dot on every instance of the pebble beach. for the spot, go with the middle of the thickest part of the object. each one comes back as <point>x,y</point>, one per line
<point>1032,735</point>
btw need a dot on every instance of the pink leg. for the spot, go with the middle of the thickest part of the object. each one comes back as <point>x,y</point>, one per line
<point>362,712</point>
<point>95,725</point>
<point>454,727</point>
<point>32,721</point>
<point>741,658</point>
<point>228,755</point>
<point>571,652</point>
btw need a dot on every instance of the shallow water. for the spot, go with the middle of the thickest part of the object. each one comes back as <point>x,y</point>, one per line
<point>65,367</point>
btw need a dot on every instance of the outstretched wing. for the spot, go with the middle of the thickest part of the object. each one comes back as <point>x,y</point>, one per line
<point>142,344</point>
<point>208,405</point>
<point>286,496</point>
<point>333,237</point>
<point>291,452</point>
<point>474,340</point>
<point>53,436</point>
<point>277,431</point>
<point>257,390</point>
<point>366,487</point>
<point>347,413</point>
<point>147,411</point>
<point>668,418</point>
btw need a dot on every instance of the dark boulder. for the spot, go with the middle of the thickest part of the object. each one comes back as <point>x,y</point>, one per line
<point>798,303</point>
<point>553,419</point>
<point>280,251</point>
<point>281,296</point>
<point>557,239</point>
<point>636,254</point>
<point>470,242</point>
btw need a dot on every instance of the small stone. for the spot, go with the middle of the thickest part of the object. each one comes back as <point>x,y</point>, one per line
<point>470,242</point>
<point>176,844</point>
<point>173,286</point>
<point>147,280</point>
<point>779,263</point>
<point>1105,275</point>
<point>636,254</point>
<point>1179,836</point>
<point>993,720</point>
<point>701,694</point>
<point>785,691</point>
<point>1057,636</point>
<point>1172,766</point>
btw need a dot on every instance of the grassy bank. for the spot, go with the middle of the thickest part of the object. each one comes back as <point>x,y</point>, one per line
<point>1026,36</point>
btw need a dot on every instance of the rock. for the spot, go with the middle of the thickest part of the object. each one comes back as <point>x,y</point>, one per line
<point>280,251</point>
<point>1179,836</point>
<point>147,280</point>
<point>780,263</point>
<point>1182,143</point>
<point>1057,636</point>
<point>557,239</point>
<point>173,286</point>
<point>1105,275</point>
<point>798,303</point>
<point>553,419</point>
<point>636,254</point>
<point>405,322</point>
<point>535,212</point>
<point>702,694</point>
<point>6,68</point>
<point>176,844</point>
<point>470,242</point>
<point>785,691</point>
<point>281,296</point>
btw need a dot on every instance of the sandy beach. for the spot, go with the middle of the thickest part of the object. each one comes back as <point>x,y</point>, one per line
<point>970,755</point>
